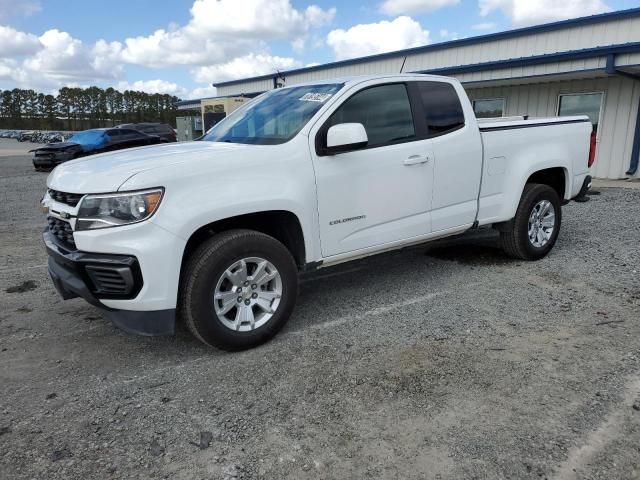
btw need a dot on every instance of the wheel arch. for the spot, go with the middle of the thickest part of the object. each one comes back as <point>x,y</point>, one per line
<point>555,177</point>
<point>283,225</point>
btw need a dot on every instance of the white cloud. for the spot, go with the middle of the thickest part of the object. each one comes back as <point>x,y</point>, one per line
<point>318,17</point>
<point>447,35</point>
<point>371,38</point>
<point>24,8</point>
<point>168,49</point>
<point>255,18</point>
<point>7,68</point>
<point>399,7</point>
<point>247,66</point>
<point>484,26</point>
<point>203,92</point>
<point>527,12</point>
<point>59,60</point>
<point>14,43</point>
<point>152,86</point>
<point>66,59</point>
<point>106,56</point>
<point>222,29</point>
<point>299,44</point>
<point>223,39</point>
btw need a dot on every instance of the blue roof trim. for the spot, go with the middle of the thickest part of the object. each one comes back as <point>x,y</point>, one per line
<point>603,17</point>
<point>536,59</point>
<point>188,102</point>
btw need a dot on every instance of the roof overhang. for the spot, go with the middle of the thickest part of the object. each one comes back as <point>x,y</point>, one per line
<point>608,51</point>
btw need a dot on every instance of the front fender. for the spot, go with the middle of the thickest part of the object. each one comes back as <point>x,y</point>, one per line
<point>204,191</point>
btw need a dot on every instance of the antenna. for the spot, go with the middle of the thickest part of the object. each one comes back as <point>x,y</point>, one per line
<point>403,61</point>
<point>279,76</point>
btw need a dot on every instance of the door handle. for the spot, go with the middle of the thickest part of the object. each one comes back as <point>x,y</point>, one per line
<point>416,159</point>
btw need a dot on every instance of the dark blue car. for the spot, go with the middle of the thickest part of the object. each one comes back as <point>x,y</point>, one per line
<point>89,142</point>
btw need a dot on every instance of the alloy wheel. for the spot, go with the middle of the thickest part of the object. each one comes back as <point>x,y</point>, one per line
<point>247,294</point>
<point>542,222</point>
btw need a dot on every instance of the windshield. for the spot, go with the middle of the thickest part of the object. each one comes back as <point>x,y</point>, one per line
<point>88,137</point>
<point>273,118</point>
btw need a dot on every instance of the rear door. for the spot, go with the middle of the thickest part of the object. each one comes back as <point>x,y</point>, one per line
<point>380,193</point>
<point>457,149</point>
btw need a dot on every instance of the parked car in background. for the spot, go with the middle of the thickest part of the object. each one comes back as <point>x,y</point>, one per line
<point>47,137</point>
<point>90,142</point>
<point>25,136</point>
<point>160,129</point>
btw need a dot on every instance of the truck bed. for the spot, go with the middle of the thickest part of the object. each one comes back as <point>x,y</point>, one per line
<point>515,148</point>
<point>509,123</point>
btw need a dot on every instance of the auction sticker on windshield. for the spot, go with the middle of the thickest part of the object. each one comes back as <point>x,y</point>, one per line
<point>315,97</point>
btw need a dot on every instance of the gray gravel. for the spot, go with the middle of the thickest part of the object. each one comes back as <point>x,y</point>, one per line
<point>442,362</point>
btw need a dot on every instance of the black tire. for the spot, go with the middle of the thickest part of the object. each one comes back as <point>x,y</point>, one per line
<point>207,265</point>
<point>515,236</point>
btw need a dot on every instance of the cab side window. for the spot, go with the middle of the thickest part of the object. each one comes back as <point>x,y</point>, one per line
<point>384,111</point>
<point>441,106</point>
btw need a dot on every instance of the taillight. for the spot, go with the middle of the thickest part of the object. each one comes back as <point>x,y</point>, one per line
<point>592,149</point>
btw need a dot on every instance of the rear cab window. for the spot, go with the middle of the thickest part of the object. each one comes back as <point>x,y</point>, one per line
<point>441,106</point>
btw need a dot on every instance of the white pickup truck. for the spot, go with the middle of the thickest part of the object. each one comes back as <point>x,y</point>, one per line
<point>215,232</point>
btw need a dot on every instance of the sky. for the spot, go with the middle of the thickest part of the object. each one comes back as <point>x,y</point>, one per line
<point>181,47</point>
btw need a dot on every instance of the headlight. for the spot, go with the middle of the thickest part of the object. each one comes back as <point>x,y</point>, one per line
<point>115,209</point>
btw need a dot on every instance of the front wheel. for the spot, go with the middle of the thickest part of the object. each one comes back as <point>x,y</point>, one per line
<point>238,290</point>
<point>534,230</point>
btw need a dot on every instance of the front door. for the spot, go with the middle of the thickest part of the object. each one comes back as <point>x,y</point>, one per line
<point>381,193</point>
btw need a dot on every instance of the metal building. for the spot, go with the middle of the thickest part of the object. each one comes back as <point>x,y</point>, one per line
<point>588,65</point>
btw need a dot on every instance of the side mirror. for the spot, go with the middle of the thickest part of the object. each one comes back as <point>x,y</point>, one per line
<point>345,137</point>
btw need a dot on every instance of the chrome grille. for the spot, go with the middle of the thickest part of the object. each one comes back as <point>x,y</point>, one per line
<point>62,231</point>
<point>70,199</point>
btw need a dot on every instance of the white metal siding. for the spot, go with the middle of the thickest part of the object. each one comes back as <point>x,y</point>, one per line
<point>617,117</point>
<point>615,31</point>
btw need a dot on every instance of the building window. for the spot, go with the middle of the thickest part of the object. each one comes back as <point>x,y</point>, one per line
<point>581,104</point>
<point>489,107</point>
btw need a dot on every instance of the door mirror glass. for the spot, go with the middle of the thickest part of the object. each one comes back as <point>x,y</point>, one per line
<point>345,137</point>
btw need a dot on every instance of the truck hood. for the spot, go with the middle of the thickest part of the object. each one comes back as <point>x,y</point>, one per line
<point>108,171</point>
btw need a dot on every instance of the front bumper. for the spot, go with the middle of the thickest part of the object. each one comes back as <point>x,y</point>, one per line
<point>96,277</point>
<point>51,160</point>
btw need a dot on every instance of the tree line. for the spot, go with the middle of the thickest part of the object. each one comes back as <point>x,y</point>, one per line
<point>82,108</point>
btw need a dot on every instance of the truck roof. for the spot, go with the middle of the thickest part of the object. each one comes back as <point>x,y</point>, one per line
<point>355,79</point>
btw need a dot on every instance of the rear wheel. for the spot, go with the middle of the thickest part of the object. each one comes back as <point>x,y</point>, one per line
<point>239,289</point>
<point>534,230</point>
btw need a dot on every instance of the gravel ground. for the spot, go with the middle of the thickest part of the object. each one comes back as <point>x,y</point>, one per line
<point>448,361</point>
